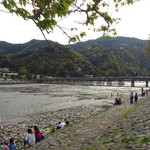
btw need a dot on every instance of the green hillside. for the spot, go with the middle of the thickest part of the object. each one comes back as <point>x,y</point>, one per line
<point>38,57</point>
<point>121,56</point>
<point>116,57</point>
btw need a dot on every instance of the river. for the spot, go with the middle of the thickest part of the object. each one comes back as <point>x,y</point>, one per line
<point>17,101</point>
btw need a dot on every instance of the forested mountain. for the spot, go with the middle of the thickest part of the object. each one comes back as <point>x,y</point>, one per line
<point>121,56</point>
<point>39,57</point>
<point>101,57</point>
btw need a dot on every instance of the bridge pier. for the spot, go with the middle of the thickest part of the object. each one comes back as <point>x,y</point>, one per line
<point>120,83</point>
<point>132,83</point>
<point>109,83</point>
<point>146,83</point>
<point>99,82</point>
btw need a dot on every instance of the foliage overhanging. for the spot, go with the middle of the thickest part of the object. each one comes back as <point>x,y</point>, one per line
<point>46,14</point>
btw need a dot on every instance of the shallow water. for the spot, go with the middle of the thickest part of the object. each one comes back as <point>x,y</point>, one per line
<point>20,100</point>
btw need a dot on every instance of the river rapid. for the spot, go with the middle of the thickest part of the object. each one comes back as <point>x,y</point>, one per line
<point>18,101</point>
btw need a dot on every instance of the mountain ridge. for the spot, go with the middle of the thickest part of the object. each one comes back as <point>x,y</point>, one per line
<point>101,57</point>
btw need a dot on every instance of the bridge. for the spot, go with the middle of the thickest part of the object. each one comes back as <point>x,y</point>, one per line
<point>94,80</point>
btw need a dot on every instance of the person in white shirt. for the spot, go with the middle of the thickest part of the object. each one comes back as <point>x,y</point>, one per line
<point>30,138</point>
<point>61,125</point>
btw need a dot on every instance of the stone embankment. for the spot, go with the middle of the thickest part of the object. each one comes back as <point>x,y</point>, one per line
<point>124,127</point>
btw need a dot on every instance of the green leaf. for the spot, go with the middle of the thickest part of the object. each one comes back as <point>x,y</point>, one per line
<point>21,2</point>
<point>41,4</point>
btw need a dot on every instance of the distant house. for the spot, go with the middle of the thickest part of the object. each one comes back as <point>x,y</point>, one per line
<point>12,74</point>
<point>5,69</point>
<point>9,75</point>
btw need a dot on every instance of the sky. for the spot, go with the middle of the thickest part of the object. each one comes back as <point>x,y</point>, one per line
<point>135,22</point>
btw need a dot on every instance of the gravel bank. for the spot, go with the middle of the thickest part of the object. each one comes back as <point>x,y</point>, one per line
<point>47,121</point>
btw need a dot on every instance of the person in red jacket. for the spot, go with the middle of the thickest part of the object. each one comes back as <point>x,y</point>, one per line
<point>38,135</point>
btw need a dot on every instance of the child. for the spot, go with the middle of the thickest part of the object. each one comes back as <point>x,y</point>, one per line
<point>5,146</point>
<point>12,146</point>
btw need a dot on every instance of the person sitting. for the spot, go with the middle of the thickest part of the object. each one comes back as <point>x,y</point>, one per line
<point>29,139</point>
<point>38,135</point>
<point>12,145</point>
<point>118,101</point>
<point>67,122</point>
<point>5,145</point>
<point>61,125</point>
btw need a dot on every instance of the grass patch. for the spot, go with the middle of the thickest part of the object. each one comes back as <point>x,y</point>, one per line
<point>88,148</point>
<point>20,148</point>
<point>145,140</point>
<point>107,142</point>
<point>131,139</point>
<point>131,110</point>
<point>51,131</point>
<point>91,148</point>
<point>111,135</point>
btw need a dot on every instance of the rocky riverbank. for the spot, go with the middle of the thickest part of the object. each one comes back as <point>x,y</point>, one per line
<point>47,121</point>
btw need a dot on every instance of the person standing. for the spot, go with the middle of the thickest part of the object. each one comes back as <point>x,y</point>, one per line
<point>142,90</point>
<point>131,98</point>
<point>135,98</point>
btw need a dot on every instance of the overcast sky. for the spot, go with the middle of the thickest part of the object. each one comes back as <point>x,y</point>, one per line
<point>135,22</point>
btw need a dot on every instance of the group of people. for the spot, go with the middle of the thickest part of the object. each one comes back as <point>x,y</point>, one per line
<point>33,137</point>
<point>118,101</point>
<point>8,145</point>
<point>133,98</point>
<point>30,139</point>
<point>144,91</point>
